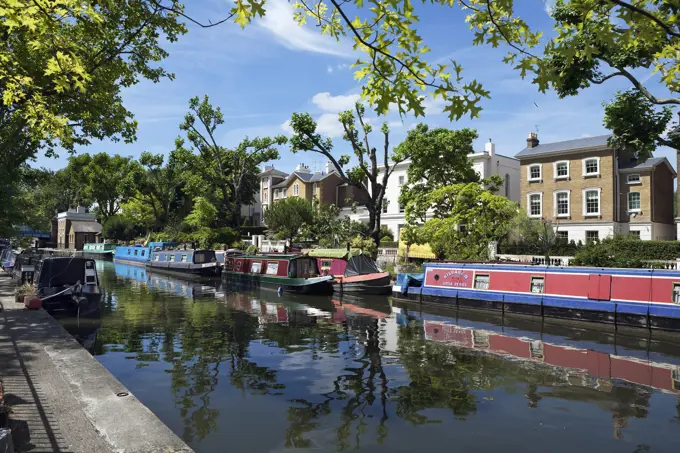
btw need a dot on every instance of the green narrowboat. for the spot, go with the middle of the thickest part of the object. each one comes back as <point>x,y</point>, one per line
<point>99,249</point>
<point>291,273</point>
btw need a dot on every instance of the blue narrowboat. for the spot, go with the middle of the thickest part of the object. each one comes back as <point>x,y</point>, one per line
<point>139,254</point>
<point>198,263</point>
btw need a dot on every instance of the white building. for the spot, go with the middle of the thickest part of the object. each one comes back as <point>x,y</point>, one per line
<point>486,164</point>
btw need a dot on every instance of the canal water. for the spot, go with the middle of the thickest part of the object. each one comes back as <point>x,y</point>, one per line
<point>255,372</point>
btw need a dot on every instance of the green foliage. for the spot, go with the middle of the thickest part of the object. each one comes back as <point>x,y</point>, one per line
<point>536,234</point>
<point>203,214</point>
<point>386,234</point>
<point>477,217</point>
<point>120,228</point>
<point>158,186</point>
<point>64,64</point>
<point>374,168</point>
<point>205,237</point>
<point>623,251</point>
<point>251,250</point>
<point>286,218</point>
<point>367,245</point>
<point>227,178</point>
<point>439,157</point>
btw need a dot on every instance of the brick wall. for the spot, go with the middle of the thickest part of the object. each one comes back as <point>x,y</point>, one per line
<point>575,184</point>
<point>326,188</point>
<point>645,190</point>
<point>662,195</point>
<point>305,190</point>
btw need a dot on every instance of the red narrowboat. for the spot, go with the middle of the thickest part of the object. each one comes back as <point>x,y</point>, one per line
<point>352,271</point>
<point>294,273</point>
<point>635,297</point>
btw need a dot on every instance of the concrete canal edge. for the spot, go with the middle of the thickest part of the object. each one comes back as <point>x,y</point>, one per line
<point>62,398</point>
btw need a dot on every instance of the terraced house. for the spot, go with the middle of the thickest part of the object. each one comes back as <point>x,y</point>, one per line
<point>588,190</point>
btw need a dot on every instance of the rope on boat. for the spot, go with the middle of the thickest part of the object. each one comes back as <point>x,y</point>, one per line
<point>60,293</point>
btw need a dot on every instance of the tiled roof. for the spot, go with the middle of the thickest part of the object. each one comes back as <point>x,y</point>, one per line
<point>274,172</point>
<point>86,227</point>
<point>648,164</point>
<point>305,177</point>
<point>568,145</point>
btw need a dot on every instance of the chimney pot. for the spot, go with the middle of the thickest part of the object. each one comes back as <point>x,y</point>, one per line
<point>532,140</point>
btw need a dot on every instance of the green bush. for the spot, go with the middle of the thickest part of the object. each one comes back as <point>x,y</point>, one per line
<point>251,250</point>
<point>120,228</point>
<point>386,243</point>
<point>622,251</point>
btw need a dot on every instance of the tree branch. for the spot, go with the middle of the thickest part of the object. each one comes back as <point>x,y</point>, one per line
<point>640,87</point>
<point>191,19</point>
<point>605,78</point>
<point>648,15</point>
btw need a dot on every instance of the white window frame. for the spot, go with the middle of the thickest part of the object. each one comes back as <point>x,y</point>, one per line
<point>276,194</point>
<point>540,172</point>
<point>639,209</point>
<point>402,180</point>
<point>599,202</point>
<point>540,195</point>
<point>555,169</point>
<point>296,189</point>
<point>588,175</point>
<point>557,192</point>
<point>638,181</point>
<point>285,191</point>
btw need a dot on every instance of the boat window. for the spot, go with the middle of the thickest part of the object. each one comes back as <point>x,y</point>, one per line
<point>129,251</point>
<point>184,259</point>
<point>481,282</point>
<point>136,252</point>
<point>537,284</point>
<point>676,293</point>
<point>273,268</point>
<point>172,257</point>
<point>199,258</point>
<point>155,258</point>
<point>256,267</point>
<point>326,264</point>
<point>167,257</point>
<point>143,252</point>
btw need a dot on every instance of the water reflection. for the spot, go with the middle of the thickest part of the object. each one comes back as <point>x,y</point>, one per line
<point>266,373</point>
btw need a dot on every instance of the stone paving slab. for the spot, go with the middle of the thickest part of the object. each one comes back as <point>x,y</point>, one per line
<point>62,399</point>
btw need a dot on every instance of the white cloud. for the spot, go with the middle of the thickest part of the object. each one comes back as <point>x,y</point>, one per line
<point>395,124</point>
<point>328,125</point>
<point>334,104</point>
<point>279,21</point>
<point>329,69</point>
<point>341,66</point>
<point>549,5</point>
<point>286,127</point>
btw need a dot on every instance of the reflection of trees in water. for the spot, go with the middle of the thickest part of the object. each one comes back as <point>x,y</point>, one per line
<point>198,337</point>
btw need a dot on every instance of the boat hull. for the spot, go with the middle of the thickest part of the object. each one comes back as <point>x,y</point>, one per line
<point>195,271</point>
<point>85,305</point>
<point>376,284</point>
<point>621,297</point>
<point>313,285</point>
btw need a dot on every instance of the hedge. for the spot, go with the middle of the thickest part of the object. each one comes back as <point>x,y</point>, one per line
<point>626,252</point>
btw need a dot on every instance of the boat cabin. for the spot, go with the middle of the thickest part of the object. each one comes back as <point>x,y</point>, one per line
<point>342,262</point>
<point>182,258</point>
<point>290,266</point>
<point>99,248</point>
<point>54,273</point>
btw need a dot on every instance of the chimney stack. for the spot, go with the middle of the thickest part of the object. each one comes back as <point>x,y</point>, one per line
<point>490,148</point>
<point>532,140</point>
<point>329,167</point>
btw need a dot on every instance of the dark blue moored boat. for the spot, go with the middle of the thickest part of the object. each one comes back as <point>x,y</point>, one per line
<point>68,286</point>
<point>197,263</point>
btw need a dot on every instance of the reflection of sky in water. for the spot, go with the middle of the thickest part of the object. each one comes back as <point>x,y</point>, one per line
<point>356,382</point>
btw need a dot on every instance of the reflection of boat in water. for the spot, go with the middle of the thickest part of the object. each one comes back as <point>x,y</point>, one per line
<point>585,362</point>
<point>163,282</point>
<point>83,330</point>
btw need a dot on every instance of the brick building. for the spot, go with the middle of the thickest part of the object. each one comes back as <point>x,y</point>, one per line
<point>589,190</point>
<point>74,228</point>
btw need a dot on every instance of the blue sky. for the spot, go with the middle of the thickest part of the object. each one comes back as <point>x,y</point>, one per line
<point>261,75</point>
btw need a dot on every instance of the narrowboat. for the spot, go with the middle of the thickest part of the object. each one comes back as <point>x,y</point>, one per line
<point>647,298</point>
<point>68,286</point>
<point>99,250</point>
<point>292,273</point>
<point>7,259</point>
<point>24,266</point>
<point>138,254</point>
<point>352,271</point>
<point>197,263</point>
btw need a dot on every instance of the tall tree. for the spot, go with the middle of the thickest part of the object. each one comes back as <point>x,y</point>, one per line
<point>107,180</point>
<point>158,185</point>
<point>374,168</point>
<point>286,218</point>
<point>226,177</point>
<point>439,158</point>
